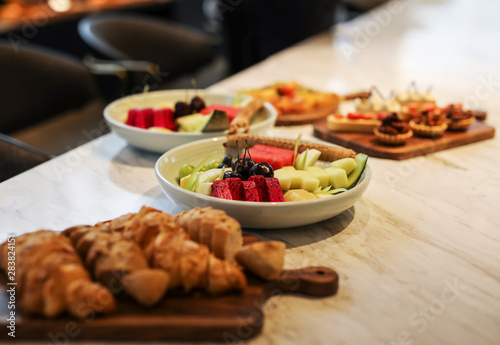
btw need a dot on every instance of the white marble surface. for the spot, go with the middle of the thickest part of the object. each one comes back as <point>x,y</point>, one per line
<point>418,256</point>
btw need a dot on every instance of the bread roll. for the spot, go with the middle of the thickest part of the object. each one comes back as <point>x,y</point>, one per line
<point>263,258</point>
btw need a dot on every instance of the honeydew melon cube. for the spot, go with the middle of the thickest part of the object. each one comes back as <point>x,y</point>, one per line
<point>288,168</point>
<point>204,188</point>
<point>320,174</point>
<point>284,177</point>
<point>303,179</point>
<point>308,181</point>
<point>296,176</point>
<point>338,177</point>
<point>348,164</point>
<point>210,175</point>
<point>299,195</point>
<point>307,158</point>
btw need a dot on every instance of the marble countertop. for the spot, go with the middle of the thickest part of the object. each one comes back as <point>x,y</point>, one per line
<point>418,255</point>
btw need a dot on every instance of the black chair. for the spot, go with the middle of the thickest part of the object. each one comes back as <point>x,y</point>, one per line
<point>17,157</point>
<point>37,83</point>
<point>153,51</point>
<point>48,98</point>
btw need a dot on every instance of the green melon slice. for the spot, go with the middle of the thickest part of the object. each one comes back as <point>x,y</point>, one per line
<point>217,121</point>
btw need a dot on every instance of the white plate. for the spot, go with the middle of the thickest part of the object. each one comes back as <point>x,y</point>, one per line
<point>116,112</point>
<point>250,214</point>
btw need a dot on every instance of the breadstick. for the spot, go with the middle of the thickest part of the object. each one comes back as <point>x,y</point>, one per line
<point>328,153</point>
<point>242,119</point>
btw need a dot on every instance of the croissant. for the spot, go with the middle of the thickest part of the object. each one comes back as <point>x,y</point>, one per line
<point>51,277</point>
<point>165,246</point>
<point>119,264</point>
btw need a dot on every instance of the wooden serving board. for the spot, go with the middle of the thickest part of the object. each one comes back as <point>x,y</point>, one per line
<point>305,118</point>
<point>194,316</point>
<point>367,143</point>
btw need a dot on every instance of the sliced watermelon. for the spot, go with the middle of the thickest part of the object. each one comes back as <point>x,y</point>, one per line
<point>275,156</point>
<point>230,111</point>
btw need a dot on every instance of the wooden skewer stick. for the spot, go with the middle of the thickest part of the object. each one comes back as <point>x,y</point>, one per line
<point>351,96</point>
<point>374,87</point>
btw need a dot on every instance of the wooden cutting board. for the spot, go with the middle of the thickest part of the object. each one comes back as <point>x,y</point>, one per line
<point>321,113</point>
<point>301,119</point>
<point>367,143</point>
<point>194,317</point>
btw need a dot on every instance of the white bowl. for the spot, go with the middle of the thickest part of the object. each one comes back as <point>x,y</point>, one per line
<point>116,112</point>
<point>249,214</point>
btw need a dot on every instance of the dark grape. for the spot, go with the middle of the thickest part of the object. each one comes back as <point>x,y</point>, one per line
<point>197,104</point>
<point>227,160</point>
<point>263,168</point>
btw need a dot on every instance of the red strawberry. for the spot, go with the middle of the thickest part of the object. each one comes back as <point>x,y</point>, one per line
<point>354,116</point>
<point>286,91</point>
<point>368,116</point>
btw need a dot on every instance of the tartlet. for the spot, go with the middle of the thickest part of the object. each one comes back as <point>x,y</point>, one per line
<point>393,131</point>
<point>411,111</point>
<point>429,124</point>
<point>457,118</point>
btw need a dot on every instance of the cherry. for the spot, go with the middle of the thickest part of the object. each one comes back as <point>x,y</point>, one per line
<point>197,104</point>
<point>182,109</point>
<point>229,174</point>
<point>263,168</point>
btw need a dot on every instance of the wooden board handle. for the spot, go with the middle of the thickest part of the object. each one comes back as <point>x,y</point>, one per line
<point>311,281</point>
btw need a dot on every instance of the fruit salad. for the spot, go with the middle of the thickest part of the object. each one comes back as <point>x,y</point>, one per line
<point>271,174</point>
<point>195,116</point>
